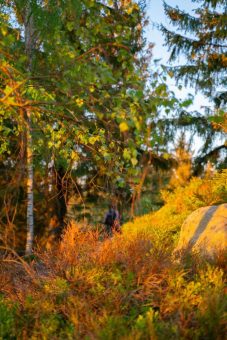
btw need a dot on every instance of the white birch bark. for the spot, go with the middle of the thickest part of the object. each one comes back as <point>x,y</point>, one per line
<point>29,46</point>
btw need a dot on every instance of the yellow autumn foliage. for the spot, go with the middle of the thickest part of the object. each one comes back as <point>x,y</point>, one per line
<point>199,192</point>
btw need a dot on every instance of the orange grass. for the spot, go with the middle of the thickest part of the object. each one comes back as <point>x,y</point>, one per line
<point>116,289</point>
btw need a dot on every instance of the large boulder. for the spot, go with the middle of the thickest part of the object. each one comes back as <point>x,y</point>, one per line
<point>204,232</point>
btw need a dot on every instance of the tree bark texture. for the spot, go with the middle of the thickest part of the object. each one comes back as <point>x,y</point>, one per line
<point>29,47</point>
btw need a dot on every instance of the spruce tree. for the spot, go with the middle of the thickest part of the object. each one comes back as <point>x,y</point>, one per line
<point>201,39</point>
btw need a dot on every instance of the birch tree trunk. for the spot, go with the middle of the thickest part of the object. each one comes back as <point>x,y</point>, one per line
<point>29,46</point>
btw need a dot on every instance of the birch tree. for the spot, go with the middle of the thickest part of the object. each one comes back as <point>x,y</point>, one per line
<point>84,100</point>
<point>76,81</point>
<point>30,38</point>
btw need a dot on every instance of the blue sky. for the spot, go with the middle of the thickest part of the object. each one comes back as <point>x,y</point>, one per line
<point>156,14</point>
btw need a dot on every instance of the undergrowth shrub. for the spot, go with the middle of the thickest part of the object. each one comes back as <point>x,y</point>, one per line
<point>125,287</point>
<point>198,193</point>
<point>7,319</point>
<point>121,290</point>
<point>164,225</point>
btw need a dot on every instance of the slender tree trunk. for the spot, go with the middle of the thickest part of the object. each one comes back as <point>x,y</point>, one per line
<point>58,206</point>
<point>137,193</point>
<point>132,213</point>
<point>30,194</point>
<point>29,47</point>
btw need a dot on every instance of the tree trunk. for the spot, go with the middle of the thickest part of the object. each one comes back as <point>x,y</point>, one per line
<point>30,194</point>
<point>29,47</point>
<point>57,208</point>
<point>58,205</point>
<point>137,193</point>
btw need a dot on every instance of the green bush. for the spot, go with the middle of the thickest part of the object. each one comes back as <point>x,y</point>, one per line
<point>7,320</point>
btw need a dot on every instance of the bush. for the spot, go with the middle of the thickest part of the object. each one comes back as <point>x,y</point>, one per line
<point>163,226</point>
<point>125,287</point>
<point>7,320</point>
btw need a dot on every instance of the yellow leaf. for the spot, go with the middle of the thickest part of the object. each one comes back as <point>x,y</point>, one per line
<point>79,102</point>
<point>123,127</point>
<point>4,31</point>
<point>74,155</point>
<point>129,10</point>
<point>134,161</point>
